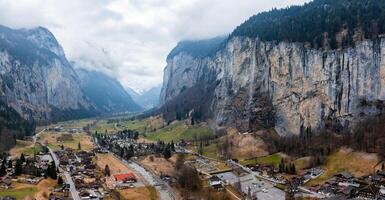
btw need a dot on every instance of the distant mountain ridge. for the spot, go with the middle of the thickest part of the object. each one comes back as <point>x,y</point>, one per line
<point>106,93</point>
<point>148,99</point>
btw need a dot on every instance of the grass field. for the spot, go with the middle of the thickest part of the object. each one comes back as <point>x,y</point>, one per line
<point>302,163</point>
<point>142,193</point>
<point>178,131</point>
<point>25,147</point>
<point>51,139</point>
<point>357,163</point>
<point>273,159</point>
<point>104,127</point>
<point>19,194</point>
<point>159,165</point>
<point>116,166</point>
<point>68,124</point>
<point>39,191</point>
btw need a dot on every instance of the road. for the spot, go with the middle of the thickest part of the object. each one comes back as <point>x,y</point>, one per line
<point>74,192</point>
<point>311,193</point>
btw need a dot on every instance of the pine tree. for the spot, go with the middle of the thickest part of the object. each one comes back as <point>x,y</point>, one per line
<point>172,146</point>
<point>51,171</point>
<point>107,171</point>
<point>60,180</point>
<point>22,158</point>
<point>167,152</point>
<point>18,167</point>
<point>3,168</point>
<point>10,164</point>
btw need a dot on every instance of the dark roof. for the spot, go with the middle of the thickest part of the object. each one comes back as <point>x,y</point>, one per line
<point>381,173</point>
<point>346,175</point>
<point>370,189</point>
<point>214,178</point>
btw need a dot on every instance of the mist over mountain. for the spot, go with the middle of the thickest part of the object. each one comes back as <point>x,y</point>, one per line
<point>147,99</point>
<point>106,93</point>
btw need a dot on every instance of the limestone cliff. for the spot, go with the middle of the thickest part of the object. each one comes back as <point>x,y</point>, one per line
<point>284,85</point>
<point>35,77</point>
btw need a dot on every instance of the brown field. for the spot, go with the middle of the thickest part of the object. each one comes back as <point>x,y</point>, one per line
<point>51,139</point>
<point>246,146</point>
<point>116,166</point>
<point>142,193</point>
<point>21,146</point>
<point>159,165</point>
<point>357,163</point>
<point>44,188</point>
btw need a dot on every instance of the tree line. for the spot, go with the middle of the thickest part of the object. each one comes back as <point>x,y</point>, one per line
<point>320,23</point>
<point>368,136</point>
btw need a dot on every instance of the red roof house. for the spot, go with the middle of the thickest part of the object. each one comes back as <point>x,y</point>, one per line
<point>128,177</point>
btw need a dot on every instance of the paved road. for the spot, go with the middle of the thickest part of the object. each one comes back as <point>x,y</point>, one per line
<point>74,192</point>
<point>311,193</point>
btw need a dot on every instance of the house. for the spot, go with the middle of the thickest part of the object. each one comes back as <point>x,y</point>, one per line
<point>215,182</point>
<point>345,176</point>
<point>382,193</point>
<point>5,183</point>
<point>125,178</point>
<point>368,192</point>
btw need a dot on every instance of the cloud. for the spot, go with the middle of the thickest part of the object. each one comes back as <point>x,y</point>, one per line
<point>130,39</point>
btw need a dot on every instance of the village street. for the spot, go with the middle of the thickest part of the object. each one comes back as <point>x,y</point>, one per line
<point>68,178</point>
<point>165,191</point>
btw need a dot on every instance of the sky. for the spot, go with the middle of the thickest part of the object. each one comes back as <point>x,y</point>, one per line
<point>130,39</point>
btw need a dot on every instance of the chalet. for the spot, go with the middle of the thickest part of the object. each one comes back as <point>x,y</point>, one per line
<point>368,192</point>
<point>125,178</point>
<point>215,182</point>
<point>381,173</point>
<point>87,194</point>
<point>382,193</point>
<point>7,198</point>
<point>345,176</point>
<point>5,183</point>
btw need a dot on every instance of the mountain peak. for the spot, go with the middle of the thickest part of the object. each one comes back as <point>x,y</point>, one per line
<point>43,38</point>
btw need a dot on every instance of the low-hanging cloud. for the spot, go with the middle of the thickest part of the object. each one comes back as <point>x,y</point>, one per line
<point>130,39</point>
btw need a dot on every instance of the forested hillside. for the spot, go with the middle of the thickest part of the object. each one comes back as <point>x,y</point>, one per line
<point>198,48</point>
<point>12,126</point>
<point>320,23</point>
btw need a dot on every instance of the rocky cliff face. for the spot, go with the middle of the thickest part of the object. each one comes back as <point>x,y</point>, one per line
<point>36,78</point>
<point>284,85</point>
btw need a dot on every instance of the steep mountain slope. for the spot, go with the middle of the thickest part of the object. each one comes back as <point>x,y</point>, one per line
<point>106,93</point>
<point>36,78</point>
<point>253,81</point>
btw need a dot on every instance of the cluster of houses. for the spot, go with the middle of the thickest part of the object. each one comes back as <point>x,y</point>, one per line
<point>32,170</point>
<point>62,129</point>
<point>83,170</point>
<point>345,185</point>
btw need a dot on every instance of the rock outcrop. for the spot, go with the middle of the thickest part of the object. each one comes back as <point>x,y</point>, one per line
<point>36,78</point>
<point>284,85</point>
